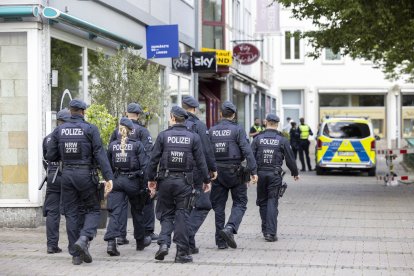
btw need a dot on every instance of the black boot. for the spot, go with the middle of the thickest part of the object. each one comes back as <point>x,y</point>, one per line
<point>194,250</point>
<point>112,248</point>
<point>122,241</point>
<point>270,238</point>
<point>53,249</point>
<point>183,256</point>
<point>82,246</point>
<point>77,260</point>
<point>141,244</point>
<point>162,252</point>
<point>227,235</point>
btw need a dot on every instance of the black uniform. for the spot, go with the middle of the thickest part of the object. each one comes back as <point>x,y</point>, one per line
<point>270,148</point>
<point>203,203</point>
<point>231,147</point>
<point>51,207</point>
<point>176,150</point>
<point>78,145</point>
<point>294,141</point>
<point>141,134</point>
<point>129,168</point>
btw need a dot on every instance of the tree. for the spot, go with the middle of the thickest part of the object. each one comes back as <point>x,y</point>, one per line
<point>377,30</point>
<point>123,78</point>
<point>105,122</point>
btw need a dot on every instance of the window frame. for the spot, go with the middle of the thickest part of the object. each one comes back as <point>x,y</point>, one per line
<point>301,58</point>
<point>221,23</point>
<point>336,61</point>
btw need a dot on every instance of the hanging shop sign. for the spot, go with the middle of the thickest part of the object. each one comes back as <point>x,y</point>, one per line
<point>246,53</point>
<point>183,63</point>
<point>162,41</point>
<point>204,62</point>
<point>223,57</point>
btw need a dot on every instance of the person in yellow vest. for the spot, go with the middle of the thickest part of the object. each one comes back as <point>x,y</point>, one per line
<point>304,131</point>
<point>256,128</point>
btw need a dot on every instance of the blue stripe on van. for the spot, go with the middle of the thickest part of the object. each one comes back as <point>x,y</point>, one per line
<point>332,149</point>
<point>359,149</point>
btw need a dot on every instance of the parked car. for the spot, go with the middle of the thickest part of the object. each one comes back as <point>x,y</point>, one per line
<point>346,143</point>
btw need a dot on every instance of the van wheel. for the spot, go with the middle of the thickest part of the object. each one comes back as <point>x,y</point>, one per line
<point>372,171</point>
<point>319,171</point>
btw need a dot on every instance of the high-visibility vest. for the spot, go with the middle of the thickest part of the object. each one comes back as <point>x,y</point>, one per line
<point>304,131</point>
<point>258,128</point>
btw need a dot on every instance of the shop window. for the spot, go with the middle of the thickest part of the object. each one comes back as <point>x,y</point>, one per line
<point>333,100</point>
<point>66,62</point>
<point>13,116</point>
<point>173,87</point>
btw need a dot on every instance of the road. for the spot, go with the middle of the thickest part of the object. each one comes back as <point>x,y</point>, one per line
<point>328,225</point>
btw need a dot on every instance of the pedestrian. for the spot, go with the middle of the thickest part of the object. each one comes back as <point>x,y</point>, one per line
<point>51,207</point>
<point>175,152</point>
<point>77,144</point>
<point>128,161</point>
<point>203,204</point>
<point>287,126</point>
<point>270,148</point>
<point>231,147</point>
<point>256,128</point>
<point>294,137</point>
<point>304,131</point>
<point>139,133</point>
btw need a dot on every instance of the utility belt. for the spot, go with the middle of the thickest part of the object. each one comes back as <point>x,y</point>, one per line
<point>187,175</point>
<point>276,170</point>
<point>242,172</point>
<point>130,174</point>
<point>77,166</point>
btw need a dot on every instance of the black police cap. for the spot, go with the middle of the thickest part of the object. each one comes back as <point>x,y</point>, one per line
<point>126,122</point>
<point>179,112</point>
<point>272,117</point>
<point>79,104</point>
<point>227,105</point>
<point>190,101</point>
<point>63,115</point>
<point>134,108</point>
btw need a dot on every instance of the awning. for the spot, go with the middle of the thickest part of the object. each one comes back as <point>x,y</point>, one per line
<point>56,15</point>
<point>18,11</point>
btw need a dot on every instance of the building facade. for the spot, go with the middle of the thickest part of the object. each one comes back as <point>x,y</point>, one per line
<point>336,85</point>
<point>46,48</point>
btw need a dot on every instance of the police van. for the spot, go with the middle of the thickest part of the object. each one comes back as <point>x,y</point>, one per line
<point>346,143</point>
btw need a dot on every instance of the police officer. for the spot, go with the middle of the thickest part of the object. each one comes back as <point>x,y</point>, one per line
<point>176,150</point>
<point>231,147</point>
<point>203,203</point>
<point>128,161</point>
<point>270,148</point>
<point>78,145</point>
<point>51,207</point>
<point>138,133</point>
<point>304,131</point>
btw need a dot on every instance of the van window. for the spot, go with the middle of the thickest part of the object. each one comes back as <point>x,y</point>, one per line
<point>346,130</point>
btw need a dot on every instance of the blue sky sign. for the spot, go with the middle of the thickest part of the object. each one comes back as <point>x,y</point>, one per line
<point>162,41</point>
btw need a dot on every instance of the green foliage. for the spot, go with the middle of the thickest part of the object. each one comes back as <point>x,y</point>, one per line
<point>123,78</point>
<point>106,123</point>
<point>380,31</point>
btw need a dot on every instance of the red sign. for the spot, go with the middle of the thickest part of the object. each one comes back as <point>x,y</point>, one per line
<point>246,53</point>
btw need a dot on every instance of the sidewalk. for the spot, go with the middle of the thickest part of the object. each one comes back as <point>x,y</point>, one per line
<point>345,224</point>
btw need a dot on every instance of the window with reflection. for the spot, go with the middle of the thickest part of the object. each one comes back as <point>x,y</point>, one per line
<point>212,10</point>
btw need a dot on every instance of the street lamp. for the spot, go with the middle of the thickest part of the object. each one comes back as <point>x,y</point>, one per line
<point>396,90</point>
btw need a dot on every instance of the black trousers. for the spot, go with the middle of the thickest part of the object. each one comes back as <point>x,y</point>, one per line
<point>304,150</point>
<point>51,209</point>
<point>172,210</point>
<point>80,203</point>
<point>202,207</point>
<point>228,181</point>
<point>130,188</point>
<point>268,200</point>
<point>148,219</point>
